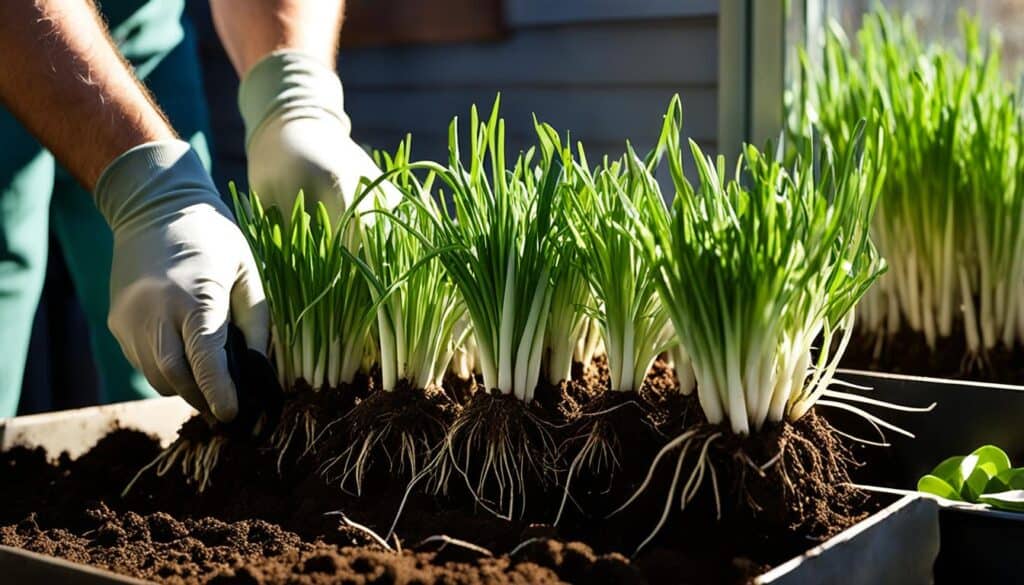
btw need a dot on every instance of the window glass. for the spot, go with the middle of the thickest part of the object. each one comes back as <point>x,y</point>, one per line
<point>937,20</point>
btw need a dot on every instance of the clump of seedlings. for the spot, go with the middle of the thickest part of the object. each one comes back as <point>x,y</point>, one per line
<point>630,317</point>
<point>417,311</point>
<point>760,272</point>
<point>951,213</point>
<point>507,276</point>
<point>321,312</point>
<point>497,244</point>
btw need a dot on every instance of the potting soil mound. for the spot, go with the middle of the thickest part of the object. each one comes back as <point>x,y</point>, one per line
<point>252,525</point>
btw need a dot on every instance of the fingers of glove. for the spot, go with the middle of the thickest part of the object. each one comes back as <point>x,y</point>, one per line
<point>205,333</point>
<point>319,184</point>
<point>249,308</point>
<point>139,336</point>
<point>172,366</point>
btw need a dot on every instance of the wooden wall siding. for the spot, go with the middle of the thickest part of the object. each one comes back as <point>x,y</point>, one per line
<point>535,12</point>
<point>602,80</point>
<point>670,52</point>
<point>389,22</point>
<point>599,117</point>
<point>602,69</point>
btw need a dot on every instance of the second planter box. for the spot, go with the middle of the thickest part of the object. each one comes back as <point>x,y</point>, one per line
<point>977,545</point>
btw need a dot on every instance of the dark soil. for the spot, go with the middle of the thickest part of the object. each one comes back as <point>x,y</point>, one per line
<point>385,438</point>
<point>253,524</point>
<point>908,353</point>
<point>611,441</point>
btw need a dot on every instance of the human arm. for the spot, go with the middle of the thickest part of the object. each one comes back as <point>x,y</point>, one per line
<point>298,136</point>
<point>180,265</point>
<point>65,82</point>
<point>252,29</point>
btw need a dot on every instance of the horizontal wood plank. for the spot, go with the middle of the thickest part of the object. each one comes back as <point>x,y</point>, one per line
<point>519,13</point>
<point>650,53</point>
<point>592,115</point>
<point>403,22</point>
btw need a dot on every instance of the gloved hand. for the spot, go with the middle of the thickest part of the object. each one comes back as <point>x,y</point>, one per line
<point>181,269</point>
<point>297,136</point>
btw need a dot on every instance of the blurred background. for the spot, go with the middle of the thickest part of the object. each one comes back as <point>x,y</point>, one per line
<point>603,70</point>
<point>938,20</point>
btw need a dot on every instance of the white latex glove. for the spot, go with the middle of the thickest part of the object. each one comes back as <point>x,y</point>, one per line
<point>181,269</point>
<point>297,136</point>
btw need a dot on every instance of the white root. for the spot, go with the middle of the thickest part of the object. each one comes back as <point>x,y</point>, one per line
<point>867,416</point>
<point>446,541</point>
<point>873,402</point>
<point>348,522</point>
<point>598,455</point>
<point>690,488</point>
<point>195,460</point>
<point>283,435</point>
<point>357,458</point>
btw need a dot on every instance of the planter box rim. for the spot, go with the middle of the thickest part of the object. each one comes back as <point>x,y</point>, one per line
<point>25,566</point>
<point>905,501</point>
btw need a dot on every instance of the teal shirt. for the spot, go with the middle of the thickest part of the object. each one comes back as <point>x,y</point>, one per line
<point>37,197</point>
<point>145,30</point>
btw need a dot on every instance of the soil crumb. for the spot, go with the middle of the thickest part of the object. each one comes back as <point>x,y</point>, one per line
<point>159,547</point>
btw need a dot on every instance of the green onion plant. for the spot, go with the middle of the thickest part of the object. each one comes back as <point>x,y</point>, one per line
<point>603,205</point>
<point>760,271</point>
<point>755,267</point>
<point>418,306</point>
<point>417,309</point>
<point>321,308</point>
<point>498,244</point>
<point>632,320</point>
<point>498,247</point>
<point>950,214</point>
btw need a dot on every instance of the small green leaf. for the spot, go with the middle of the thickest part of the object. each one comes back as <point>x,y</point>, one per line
<point>931,484</point>
<point>1012,500</point>
<point>992,459</point>
<point>1009,479</point>
<point>975,482</point>
<point>949,471</point>
<point>978,468</point>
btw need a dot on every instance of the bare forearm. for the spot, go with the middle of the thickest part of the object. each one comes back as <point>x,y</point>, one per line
<point>250,29</point>
<point>64,81</point>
